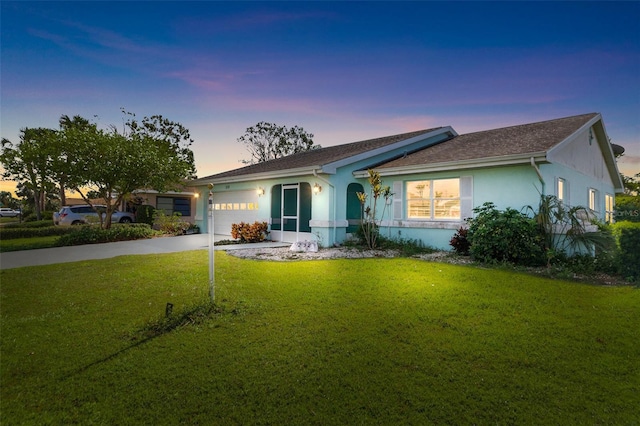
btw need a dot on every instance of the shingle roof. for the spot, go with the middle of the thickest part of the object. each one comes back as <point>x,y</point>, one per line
<point>507,141</point>
<point>316,157</point>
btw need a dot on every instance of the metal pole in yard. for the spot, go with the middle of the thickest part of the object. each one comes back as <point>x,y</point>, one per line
<point>212,291</point>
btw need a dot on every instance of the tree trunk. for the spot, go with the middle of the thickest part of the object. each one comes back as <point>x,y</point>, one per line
<point>37,204</point>
<point>63,196</point>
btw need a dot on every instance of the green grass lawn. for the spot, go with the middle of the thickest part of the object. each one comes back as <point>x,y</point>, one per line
<point>367,341</point>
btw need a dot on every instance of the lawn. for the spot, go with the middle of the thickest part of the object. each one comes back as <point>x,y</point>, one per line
<point>367,341</point>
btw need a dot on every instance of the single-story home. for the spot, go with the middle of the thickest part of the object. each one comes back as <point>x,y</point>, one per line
<point>183,202</point>
<point>437,178</point>
<point>171,202</point>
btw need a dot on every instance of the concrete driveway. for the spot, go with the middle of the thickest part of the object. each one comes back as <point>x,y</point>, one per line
<point>17,259</point>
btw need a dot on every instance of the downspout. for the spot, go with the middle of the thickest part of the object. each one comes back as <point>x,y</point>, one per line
<point>535,167</point>
<point>333,208</point>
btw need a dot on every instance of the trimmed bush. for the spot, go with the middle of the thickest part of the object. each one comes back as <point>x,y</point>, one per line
<point>89,234</point>
<point>505,236</point>
<point>34,231</point>
<point>249,233</point>
<point>145,214</point>
<point>35,224</point>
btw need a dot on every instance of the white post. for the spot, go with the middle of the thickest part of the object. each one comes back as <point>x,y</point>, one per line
<point>212,291</point>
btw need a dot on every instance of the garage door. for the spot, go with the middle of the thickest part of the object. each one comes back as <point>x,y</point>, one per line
<point>234,207</point>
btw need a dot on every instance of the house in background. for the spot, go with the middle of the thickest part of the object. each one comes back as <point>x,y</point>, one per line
<point>437,178</point>
<point>183,202</point>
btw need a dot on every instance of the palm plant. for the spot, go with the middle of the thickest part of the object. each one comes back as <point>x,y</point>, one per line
<point>369,225</point>
<point>566,229</point>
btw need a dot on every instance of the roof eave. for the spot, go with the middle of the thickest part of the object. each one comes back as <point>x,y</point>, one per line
<point>307,170</point>
<point>603,141</point>
<point>475,163</point>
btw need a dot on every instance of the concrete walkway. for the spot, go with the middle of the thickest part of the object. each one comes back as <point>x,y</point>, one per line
<point>17,259</point>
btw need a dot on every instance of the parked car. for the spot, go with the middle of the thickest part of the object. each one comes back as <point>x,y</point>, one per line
<point>77,215</point>
<point>7,212</point>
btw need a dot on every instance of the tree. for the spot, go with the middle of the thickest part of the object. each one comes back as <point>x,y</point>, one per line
<point>631,184</point>
<point>153,153</point>
<point>268,141</point>
<point>60,161</point>
<point>7,200</point>
<point>30,163</point>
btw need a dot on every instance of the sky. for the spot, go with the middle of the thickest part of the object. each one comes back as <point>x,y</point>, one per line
<point>344,71</point>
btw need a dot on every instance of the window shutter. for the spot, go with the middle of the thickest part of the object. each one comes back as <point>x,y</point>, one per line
<point>466,197</point>
<point>397,200</point>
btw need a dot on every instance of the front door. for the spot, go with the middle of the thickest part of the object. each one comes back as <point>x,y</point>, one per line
<point>290,203</point>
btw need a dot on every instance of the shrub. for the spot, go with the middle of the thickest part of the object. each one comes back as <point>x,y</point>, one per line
<point>90,234</point>
<point>460,242</point>
<point>249,233</point>
<point>628,237</point>
<point>173,224</point>
<point>35,224</point>
<point>627,208</point>
<point>568,230</point>
<point>504,236</point>
<point>7,233</point>
<point>31,216</point>
<point>145,214</point>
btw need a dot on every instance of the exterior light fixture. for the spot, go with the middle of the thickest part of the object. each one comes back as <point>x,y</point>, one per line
<point>260,191</point>
<point>317,188</point>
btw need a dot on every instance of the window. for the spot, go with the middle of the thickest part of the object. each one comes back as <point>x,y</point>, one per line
<point>593,199</point>
<point>561,190</point>
<point>171,205</point>
<point>433,199</point>
<point>608,208</point>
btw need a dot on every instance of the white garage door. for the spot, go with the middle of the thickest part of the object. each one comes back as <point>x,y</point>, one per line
<point>234,207</point>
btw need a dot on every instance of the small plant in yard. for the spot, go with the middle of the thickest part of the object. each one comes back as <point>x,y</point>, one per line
<point>170,224</point>
<point>460,242</point>
<point>369,224</point>
<point>250,233</point>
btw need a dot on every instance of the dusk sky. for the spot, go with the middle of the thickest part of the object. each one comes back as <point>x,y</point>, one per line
<point>344,71</point>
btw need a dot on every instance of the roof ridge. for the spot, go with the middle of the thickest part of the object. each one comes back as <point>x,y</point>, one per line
<point>531,124</point>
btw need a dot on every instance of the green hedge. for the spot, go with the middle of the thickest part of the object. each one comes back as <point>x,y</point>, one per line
<point>94,234</point>
<point>628,237</point>
<point>627,208</point>
<point>34,224</point>
<point>30,232</point>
